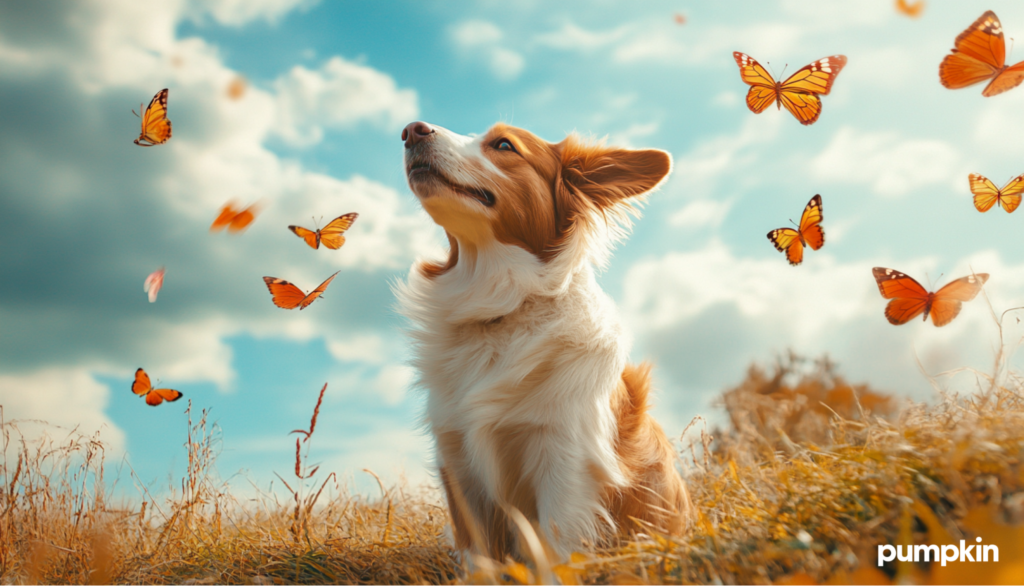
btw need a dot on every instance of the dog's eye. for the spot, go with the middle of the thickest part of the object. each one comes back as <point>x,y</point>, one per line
<point>504,144</point>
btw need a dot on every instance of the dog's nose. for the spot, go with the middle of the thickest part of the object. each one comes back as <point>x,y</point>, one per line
<point>415,132</point>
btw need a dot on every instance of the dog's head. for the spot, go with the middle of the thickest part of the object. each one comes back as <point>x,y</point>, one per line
<point>507,186</point>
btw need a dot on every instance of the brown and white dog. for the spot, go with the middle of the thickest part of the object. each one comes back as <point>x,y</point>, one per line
<point>530,399</point>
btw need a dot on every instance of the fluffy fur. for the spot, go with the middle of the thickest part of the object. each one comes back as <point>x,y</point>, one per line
<point>530,398</point>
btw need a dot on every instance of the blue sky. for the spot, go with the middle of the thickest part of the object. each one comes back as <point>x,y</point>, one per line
<point>85,215</point>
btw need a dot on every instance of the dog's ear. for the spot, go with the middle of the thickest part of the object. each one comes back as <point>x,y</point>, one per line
<point>607,176</point>
<point>596,178</point>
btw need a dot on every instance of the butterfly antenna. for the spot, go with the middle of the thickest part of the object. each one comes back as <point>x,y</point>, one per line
<point>794,223</point>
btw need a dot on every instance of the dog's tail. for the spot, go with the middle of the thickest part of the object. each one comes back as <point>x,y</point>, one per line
<point>656,494</point>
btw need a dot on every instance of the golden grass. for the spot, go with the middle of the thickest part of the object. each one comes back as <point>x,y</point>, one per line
<point>57,525</point>
<point>811,475</point>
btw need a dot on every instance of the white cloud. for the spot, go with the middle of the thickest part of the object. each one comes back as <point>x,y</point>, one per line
<point>476,33</point>
<point>832,15</point>
<point>623,101</point>
<point>360,348</point>
<point>574,38</point>
<point>890,70</point>
<point>393,381</point>
<point>338,95</point>
<point>386,234</point>
<point>626,138</point>
<point>704,315</point>
<point>653,46</point>
<point>664,44</point>
<point>991,132</point>
<point>213,289</point>
<point>727,99</point>
<point>395,454</point>
<point>193,350</point>
<point>68,397</point>
<point>680,285</point>
<point>482,40</point>
<point>703,213</point>
<point>699,173</point>
<point>506,64</point>
<point>239,12</point>
<point>891,165</point>
<point>659,41</point>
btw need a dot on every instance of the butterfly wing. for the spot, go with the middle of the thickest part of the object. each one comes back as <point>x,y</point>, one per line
<point>312,238</point>
<point>759,98</point>
<point>226,215</point>
<point>805,107</point>
<point>142,385</point>
<point>316,293</point>
<point>1007,79</point>
<point>156,128</point>
<point>1010,194</point>
<point>948,300</point>
<point>900,311</point>
<point>985,192</point>
<point>979,54</point>
<point>911,10</point>
<point>285,295</point>
<point>157,396</point>
<point>331,234</point>
<point>762,92</point>
<point>810,224</point>
<point>153,283</point>
<point>816,78</point>
<point>788,240</point>
<point>908,297</point>
<point>958,70</point>
<point>243,218</point>
<point>799,93</point>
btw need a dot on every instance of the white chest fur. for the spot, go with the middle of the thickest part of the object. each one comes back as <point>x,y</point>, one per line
<point>501,357</point>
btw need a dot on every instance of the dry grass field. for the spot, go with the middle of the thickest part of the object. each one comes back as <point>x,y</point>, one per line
<point>811,475</point>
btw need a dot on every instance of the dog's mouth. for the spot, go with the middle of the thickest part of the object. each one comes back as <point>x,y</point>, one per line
<point>422,172</point>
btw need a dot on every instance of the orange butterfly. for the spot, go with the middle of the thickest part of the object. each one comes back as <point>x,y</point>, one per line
<point>980,54</point>
<point>154,397</point>
<point>235,220</point>
<point>810,233</point>
<point>799,94</point>
<point>153,283</point>
<point>330,235</point>
<point>236,89</point>
<point>680,18</point>
<point>986,194</point>
<point>909,298</point>
<point>288,296</point>
<point>156,128</point>
<point>911,10</point>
